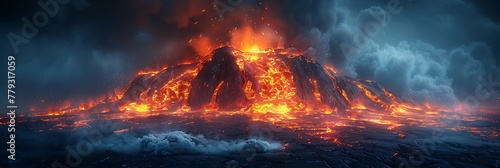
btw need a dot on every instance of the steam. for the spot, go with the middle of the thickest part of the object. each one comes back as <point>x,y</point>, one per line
<point>179,142</point>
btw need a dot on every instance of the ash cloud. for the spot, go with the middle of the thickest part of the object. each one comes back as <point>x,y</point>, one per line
<point>432,65</point>
<point>430,51</point>
<point>179,142</point>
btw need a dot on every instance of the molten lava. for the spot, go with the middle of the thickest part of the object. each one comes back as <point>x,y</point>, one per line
<point>266,81</point>
<point>261,81</point>
<point>275,86</point>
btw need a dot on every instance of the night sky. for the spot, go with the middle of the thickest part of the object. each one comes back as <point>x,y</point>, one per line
<point>430,51</point>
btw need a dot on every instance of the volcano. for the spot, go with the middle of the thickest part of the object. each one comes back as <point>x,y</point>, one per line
<point>260,108</point>
<point>272,80</point>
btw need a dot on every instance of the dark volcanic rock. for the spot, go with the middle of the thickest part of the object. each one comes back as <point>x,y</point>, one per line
<point>149,83</point>
<point>305,72</point>
<point>223,73</point>
<point>135,88</point>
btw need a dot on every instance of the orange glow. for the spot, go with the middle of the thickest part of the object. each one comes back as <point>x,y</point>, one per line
<point>368,93</point>
<point>277,89</point>
<point>250,40</point>
<point>137,107</point>
<point>273,92</point>
<point>202,45</point>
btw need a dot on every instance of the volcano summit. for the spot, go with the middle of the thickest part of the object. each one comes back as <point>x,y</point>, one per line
<point>264,81</point>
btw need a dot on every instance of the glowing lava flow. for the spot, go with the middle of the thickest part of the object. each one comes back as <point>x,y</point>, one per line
<point>284,89</point>
<point>273,81</point>
<point>275,90</point>
<point>276,86</point>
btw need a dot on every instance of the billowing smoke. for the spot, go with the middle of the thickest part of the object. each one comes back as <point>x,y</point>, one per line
<point>435,60</point>
<point>179,142</point>
<point>366,47</point>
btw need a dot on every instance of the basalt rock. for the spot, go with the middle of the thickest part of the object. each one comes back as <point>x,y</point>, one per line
<point>220,76</point>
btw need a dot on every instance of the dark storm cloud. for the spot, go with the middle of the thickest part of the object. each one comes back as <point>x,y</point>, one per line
<point>433,51</point>
<point>489,8</point>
